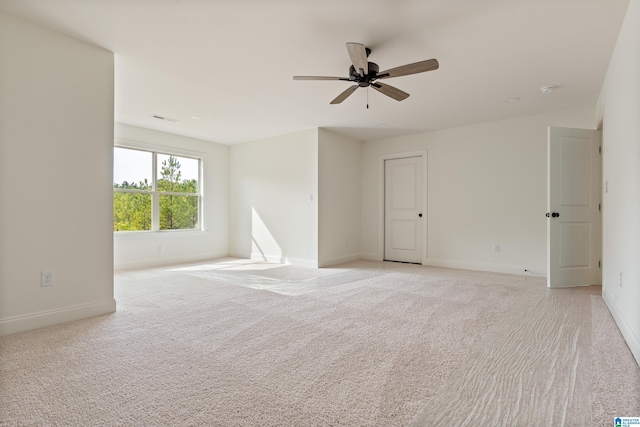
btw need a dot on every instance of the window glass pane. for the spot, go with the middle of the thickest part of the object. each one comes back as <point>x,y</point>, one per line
<point>177,174</point>
<point>178,212</point>
<point>132,169</point>
<point>131,211</point>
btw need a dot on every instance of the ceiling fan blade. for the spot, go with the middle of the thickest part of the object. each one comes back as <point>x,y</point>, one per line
<point>358,55</point>
<point>344,95</point>
<point>318,78</point>
<point>390,91</point>
<point>405,70</point>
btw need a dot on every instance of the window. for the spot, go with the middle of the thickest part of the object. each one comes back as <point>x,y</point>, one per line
<point>155,191</point>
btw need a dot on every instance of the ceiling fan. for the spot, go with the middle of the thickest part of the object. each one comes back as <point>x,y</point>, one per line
<point>365,74</point>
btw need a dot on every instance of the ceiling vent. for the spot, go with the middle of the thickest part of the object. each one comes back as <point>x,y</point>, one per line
<point>168,119</point>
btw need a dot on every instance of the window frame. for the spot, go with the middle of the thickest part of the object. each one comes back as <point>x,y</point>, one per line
<point>155,193</point>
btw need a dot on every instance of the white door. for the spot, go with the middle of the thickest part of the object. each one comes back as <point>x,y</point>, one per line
<point>574,225</point>
<point>403,215</point>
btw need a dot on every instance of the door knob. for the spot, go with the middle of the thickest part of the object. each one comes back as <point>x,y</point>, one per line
<point>420,215</point>
<point>555,215</point>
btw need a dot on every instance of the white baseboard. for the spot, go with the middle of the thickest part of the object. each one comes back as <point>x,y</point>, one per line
<point>239,255</point>
<point>632,339</point>
<point>370,256</point>
<point>42,319</point>
<point>493,268</point>
<point>159,262</point>
<point>279,259</point>
<point>339,260</point>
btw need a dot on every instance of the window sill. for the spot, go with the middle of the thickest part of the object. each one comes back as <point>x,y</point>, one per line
<point>160,233</point>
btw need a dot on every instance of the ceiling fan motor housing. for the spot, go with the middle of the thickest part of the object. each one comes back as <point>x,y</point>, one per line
<point>367,79</point>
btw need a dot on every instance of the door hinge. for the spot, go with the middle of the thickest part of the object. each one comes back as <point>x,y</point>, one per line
<point>599,206</point>
<point>600,149</point>
<point>598,264</point>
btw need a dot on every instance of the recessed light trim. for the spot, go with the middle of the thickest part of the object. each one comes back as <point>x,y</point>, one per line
<point>547,89</point>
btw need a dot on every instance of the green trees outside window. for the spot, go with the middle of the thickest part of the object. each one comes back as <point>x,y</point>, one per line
<point>131,211</point>
<point>177,211</point>
<point>175,196</point>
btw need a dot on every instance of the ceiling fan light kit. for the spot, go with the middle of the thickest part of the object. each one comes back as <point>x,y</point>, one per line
<point>366,74</point>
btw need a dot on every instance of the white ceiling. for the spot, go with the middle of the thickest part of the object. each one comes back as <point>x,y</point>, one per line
<point>231,62</point>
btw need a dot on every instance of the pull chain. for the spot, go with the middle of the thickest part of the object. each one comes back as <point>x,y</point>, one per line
<point>367,97</point>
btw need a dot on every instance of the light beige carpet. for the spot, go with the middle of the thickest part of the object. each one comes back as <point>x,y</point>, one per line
<point>235,343</point>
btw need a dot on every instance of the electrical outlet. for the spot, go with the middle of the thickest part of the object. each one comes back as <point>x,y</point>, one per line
<point>159,249</point>
<point>496,247</point>
<point>47,278</point>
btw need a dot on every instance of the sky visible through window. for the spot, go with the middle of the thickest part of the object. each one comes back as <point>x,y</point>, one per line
<point>134,166</point>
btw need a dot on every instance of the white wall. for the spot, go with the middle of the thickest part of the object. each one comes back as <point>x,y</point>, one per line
<point>56,139</point>
<point>273,199</point>
<point>133,250</point>
<point>338,198</point>
<point>619,109</point>
<point>486,184</point>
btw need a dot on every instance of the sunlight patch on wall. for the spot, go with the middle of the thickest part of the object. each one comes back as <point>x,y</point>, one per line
<point>264,246</point>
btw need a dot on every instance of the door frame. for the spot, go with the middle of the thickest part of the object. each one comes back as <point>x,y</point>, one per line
<point>599,245</point>
<point>381,194</point>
